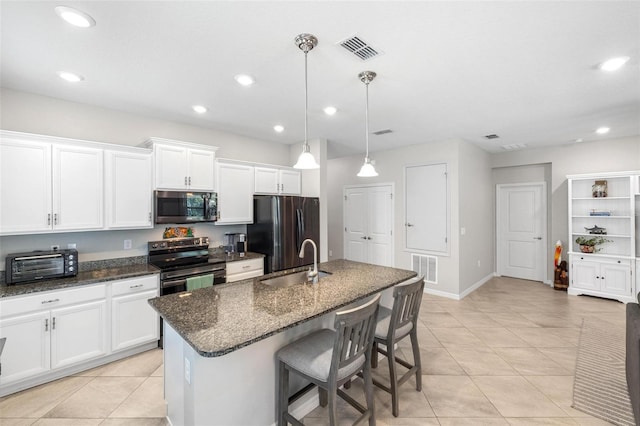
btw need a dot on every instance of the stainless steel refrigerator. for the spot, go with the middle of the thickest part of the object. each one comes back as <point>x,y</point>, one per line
<point>280,225</point>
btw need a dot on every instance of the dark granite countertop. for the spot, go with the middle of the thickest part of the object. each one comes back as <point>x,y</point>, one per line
<point>223,318</point>
<point>234,257</point>
<point>83,278</point>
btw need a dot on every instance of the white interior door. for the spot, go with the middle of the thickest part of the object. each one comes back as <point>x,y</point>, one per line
<point>355,221</point>
<point>521,225</point>
<point>368,216</point>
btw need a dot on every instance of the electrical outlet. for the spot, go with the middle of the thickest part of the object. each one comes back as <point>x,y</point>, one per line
<point>330,253</point>
<point>55,247</point>
<point>127,244</point>
<point>463,231</point>
<point>478,263</point>
<point>187,370</point>
<point>71,245</point>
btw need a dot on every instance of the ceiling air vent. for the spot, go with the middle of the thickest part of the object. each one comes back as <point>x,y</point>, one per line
<point>491,136</point>
<point>359,47</point>
<point>382,132</point>
<point>514,146</point>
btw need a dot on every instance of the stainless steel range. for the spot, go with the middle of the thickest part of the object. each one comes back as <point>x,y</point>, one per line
<point>183,258</point>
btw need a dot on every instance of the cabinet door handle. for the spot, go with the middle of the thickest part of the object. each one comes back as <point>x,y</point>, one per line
<point>53,324</point>
<point>597,277</point>
<point>185,181</point>
<point>368,238</point>
<point>55,219</point>
<point>364,238</point>
<point>46,324</point>
<point>50,301</point>
<point>189,180</point>
<point>409,224</point>
<point>49,219</point>
<point>149,216</point>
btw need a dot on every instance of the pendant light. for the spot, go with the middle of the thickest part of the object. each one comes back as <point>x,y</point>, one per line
<point>367,169</point>
<point>306,42</point>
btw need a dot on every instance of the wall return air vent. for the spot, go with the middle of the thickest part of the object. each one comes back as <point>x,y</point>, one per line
<point>359,47</point>
<point>425,265</point>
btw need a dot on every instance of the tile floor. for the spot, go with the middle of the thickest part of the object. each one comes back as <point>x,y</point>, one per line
<point>504,355</point>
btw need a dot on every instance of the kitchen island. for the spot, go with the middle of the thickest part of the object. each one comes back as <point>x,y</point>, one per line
<point>220,342</point>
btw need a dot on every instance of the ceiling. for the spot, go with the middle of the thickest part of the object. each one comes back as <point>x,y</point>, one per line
<point>526,71</point>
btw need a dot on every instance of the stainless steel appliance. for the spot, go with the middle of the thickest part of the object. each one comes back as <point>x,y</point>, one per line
<point>40,265</point>
<point>235,242</point>
<point>280,225</point>
<point>185,207</point>
<point>183,258</point>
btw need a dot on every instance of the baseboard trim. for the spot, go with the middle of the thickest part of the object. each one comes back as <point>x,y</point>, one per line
<point>477,285</point>
<point>465,293</point>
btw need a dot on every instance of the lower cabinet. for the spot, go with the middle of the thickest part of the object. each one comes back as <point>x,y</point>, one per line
<point>133,321</point>
<point>604,277</point>
<point>50,331</point>
<point>244,269</point>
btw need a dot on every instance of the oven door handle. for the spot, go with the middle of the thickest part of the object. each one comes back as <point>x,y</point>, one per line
<point>174,283</point>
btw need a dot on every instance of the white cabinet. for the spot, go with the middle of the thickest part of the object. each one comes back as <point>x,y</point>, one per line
<point>244,269</point>
<point>77,188</point>
<point>27,349</point>
<point>25,186</point>
<point>133,321</point>
<point>182,165</point>
<point>48,186</point>
<point>271,180</point>
<point>51,330</point>
<point>128,189</point>
<point>78,333</point>
<point>235,192</point>
<point>608,271</point>
<point>605,278</point>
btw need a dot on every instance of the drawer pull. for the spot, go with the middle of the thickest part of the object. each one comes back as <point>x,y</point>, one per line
<point>136,286</point>
<point>247,266</point>
<point>50,301</point>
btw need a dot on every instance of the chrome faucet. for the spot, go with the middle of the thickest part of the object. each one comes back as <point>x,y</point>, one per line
<point>310,273</point>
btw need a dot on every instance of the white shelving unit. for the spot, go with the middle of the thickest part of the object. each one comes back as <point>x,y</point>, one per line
<point>610,272</point>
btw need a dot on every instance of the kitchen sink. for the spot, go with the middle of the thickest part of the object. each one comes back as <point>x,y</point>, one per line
<point>293,279</point>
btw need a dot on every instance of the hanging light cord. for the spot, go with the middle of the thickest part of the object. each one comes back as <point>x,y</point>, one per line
<point>306,101</point>
<point>366,120</point>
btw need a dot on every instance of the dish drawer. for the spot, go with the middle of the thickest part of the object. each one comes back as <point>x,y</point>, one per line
<point>51,299</point>
<point>133,285</point>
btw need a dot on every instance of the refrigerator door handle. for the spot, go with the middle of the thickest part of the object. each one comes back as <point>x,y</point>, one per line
<point>300,227</point>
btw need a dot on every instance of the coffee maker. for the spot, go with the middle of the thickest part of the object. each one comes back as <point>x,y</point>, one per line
<point>235,242</point>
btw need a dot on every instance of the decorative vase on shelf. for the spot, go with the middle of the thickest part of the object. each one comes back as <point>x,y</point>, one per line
<point>587,249</point>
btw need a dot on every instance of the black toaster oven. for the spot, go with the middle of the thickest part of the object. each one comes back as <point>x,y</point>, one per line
<point>40,265</point>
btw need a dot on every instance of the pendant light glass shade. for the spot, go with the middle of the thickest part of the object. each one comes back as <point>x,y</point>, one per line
<point>367,169</point>
<point>306,42</point>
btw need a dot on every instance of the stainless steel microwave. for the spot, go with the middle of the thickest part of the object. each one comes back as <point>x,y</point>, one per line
<point>185,207</point>
<point>40,265</point>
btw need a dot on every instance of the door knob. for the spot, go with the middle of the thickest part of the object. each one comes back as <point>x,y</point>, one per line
<point>409,224</point>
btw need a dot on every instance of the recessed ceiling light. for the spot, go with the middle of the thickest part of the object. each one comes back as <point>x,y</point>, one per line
<point>244,79</point>
<point>278,128</point>
<point>75,17</point>
<point>70,77</point>
<point>614,64</point>
<point>199,109</point>
<point>602,130</point>
<point>579,140</point>
<point>330,110</point>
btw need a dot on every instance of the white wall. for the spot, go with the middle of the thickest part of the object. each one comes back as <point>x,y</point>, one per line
<point>476,213</point>
<point>30,113</point>
<point>390,166</point>
<point>622,154</point>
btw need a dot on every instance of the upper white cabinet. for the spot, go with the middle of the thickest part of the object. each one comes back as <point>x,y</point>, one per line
<point>605,201</point>
<point>25,186</point>
<point>182,165</point>
<point>273,180</point>
<point>77,188</point>
<point>128,189</point>
<point>47,186</point>
<point>235,192</point>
